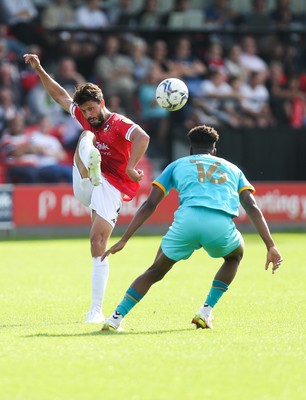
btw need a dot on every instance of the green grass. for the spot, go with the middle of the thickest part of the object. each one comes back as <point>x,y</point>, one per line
<point>255,351</point>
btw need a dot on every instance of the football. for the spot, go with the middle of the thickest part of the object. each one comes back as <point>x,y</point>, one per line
<point>172,94</point>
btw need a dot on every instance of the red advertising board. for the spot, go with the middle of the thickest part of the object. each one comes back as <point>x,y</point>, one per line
<point>283,202</point>
<point>56,205</point>
<point>280,202</point>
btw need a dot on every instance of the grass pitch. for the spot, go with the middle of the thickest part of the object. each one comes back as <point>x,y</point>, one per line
<point>255,351</point>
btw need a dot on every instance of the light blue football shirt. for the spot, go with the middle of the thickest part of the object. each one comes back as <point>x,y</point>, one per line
<point>205,180</point>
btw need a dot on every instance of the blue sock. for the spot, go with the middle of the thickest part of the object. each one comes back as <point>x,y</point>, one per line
<point>217,290</point>
<point>131,298</point>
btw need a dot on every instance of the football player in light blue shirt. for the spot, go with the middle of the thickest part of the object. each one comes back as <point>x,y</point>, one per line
<point>210,189</point>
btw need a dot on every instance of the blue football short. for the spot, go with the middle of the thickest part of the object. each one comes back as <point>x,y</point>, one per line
<point>196,227</point>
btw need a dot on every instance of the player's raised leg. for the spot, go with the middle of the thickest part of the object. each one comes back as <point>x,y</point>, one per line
<point>88,158</point>
<point>83,159</point>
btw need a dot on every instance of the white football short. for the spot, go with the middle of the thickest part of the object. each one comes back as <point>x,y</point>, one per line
<point>105,199</point>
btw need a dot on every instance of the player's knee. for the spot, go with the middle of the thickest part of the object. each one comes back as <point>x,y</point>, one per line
<point>236,256</point>
<point>97,244</point>
<point>88,134</point>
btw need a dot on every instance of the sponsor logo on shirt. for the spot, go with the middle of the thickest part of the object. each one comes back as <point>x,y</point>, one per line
<point>102,146</point>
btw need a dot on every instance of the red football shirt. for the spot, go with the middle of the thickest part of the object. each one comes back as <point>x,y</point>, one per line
<point>112,140</point>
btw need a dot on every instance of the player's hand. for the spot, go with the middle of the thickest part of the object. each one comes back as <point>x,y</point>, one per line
<point>275,258</point>
<point>114,249</point>
<point>135,174</point>
<point>32,59</point>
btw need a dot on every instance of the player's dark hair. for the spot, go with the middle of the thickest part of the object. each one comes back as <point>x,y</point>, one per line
<point>203,137</point>
<point>87,92</point>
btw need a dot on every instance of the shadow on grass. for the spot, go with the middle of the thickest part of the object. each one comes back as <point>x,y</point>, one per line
<point>43,324</point>
<point>105,333</point>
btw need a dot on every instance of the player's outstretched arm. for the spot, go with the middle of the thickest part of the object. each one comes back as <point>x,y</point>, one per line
<point>143,213</point>
<point>248,202</point>
<point>57,92</point>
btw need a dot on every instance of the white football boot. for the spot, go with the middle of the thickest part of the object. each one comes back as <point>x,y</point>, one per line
<point>95,317</point>
<point>203,319</point>
<point>94,167</point>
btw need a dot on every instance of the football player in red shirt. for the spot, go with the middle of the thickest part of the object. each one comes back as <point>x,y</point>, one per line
<point>105,167</point>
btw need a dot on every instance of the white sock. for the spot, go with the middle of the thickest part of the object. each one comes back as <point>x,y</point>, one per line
<point>85,147</point>
<point>205,310</point>
<point>115,320</point>
<point>100,270</point>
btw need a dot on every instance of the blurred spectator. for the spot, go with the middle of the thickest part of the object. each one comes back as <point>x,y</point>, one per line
<point>211,97</point>
<point>33,157</point>
<point>277,75</point>
<point>258,20</point>
<point>83,48</point>
<point>141,61</point>
<point>199,116</point>
<point>287,97</point>
<point>80,44</point>
<point>67,75</point>
<point>10,48</point>
<point>21,16</point>
<point>40,103</point>
<point>153,117</point>
<point>68,133</point>
<point>279,94</point>
<point>28,77</point>
<point>114,105</point>
<point>159,55</point>
<point>214,56</point>
<point>179,8</point>
<point>114,72</point>
<point>185,65</point>
<point>232,105</point>
<point>4,57</point>
<point>249,58</point>
<point>183,15</point>
<point>122,14</point>
<point>282,15</point>
<point>8,108</point>
<point>221,14</point>
<point>10,79</point>
<point>255,102</point>
<point>149,16</point>
<point>289,54</point>
<point>295,106</point>
<point>232,62</point>
<point>51,156</point>
<point>16,152</point>
<point>295,55</point>
<point>278,53</point>
<point>258,17</point>
<point>58,14</point>
<point>89,16</point>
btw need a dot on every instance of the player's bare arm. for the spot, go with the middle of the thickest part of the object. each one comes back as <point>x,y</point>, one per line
<point>140,141</point>
<point>57,92</point>
<point>143,213</point>
<point>248,202</point>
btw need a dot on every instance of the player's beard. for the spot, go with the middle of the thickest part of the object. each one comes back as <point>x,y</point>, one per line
<point>98,122</point>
